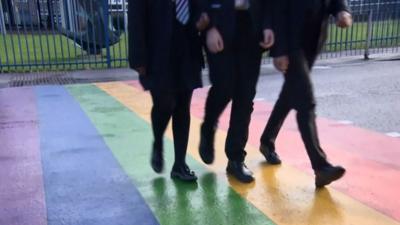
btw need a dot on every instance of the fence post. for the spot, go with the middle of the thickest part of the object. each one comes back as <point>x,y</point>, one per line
<point>2,22</point>
<point>106,31</point>
<point>125,11</point>
<point>369,36</point>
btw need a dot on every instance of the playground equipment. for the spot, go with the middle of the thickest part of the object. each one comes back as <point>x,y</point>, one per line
<point>92,29</point>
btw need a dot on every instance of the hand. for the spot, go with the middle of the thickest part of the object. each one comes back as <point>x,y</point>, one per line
<point>269,39</point>
<point>141,70</point>
<point>344,19</point>
<point>214,41</point>
<point>281,63</point>
<point>203,22</point>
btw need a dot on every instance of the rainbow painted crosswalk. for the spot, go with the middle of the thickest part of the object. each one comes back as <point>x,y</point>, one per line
<point>80,155</point>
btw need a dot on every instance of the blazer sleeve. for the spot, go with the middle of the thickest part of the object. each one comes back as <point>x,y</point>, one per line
<point>197,8</point>
<point>137,16</point>
<point>338,6</point>
<point>214,9</point>
<point>280,25</point>
<point>267,14</point>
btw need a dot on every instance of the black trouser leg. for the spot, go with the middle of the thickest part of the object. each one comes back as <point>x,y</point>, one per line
<point>234,74</point>
<point>297,93</point>
<point>275,121</point>
<point>181,125</point>
<point>161,112</point>
<point>308,130</point>
<point>215,104</point>
<point>220,93</point>
<point>299,82</point>
<point>247,60</point>
<point>238,132</point>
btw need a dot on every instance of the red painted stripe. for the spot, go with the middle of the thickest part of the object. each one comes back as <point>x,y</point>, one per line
<point>372,177</point>
<point>22,198</point>
<point>371,158</point>
<point>368,144</point>
<point>373,173</point>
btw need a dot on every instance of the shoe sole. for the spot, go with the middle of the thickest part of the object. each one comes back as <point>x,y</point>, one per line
<point>330,179</point>
<point>249,180</point>
<point>179,177</point>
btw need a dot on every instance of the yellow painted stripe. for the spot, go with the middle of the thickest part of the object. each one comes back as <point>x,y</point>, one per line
<point>283,193</point>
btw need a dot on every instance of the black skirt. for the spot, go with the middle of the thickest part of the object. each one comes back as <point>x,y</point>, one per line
<point>184,65</point>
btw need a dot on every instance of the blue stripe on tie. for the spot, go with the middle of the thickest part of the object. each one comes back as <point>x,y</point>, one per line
<point>185,18</point>
<point>180,7</point>
<point>179,4</point>
<point>182,11</point>
<point>182,15</point>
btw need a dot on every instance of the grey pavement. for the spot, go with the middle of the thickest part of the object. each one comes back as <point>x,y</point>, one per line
<point>367,93</point>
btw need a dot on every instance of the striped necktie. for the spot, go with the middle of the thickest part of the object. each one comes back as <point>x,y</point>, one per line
<point>182,11</point>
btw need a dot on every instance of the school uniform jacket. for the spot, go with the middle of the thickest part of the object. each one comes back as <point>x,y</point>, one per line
<point>303,24</point>
<point>150,31</point>
<point>222,15</point>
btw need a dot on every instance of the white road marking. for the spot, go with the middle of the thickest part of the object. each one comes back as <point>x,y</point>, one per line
<point>393,134</point>
<point>259,99</point>
<point>322,67</point>
<point>267,66</point>
<point>345,122</point>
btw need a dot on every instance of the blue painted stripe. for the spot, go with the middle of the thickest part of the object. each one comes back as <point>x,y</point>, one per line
<point>84,184</point>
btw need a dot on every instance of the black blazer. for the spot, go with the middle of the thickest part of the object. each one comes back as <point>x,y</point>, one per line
<point>222,15</point>
<point>150,30</point>
<point>303,24</point>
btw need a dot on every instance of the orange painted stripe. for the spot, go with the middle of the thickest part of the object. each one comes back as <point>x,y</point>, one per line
<point>285,194</point>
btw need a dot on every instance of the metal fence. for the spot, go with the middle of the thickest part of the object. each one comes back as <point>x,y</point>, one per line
<point>376,29</point>
<point>37,35</point>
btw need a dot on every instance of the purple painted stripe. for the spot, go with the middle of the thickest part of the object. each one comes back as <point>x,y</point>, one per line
<point>21,183</point>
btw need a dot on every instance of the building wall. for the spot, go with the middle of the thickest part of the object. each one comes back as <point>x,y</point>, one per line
<point>27,12</point>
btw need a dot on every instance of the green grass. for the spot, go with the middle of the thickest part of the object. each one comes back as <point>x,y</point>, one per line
<point>384,34</point>
<point>58,51</point>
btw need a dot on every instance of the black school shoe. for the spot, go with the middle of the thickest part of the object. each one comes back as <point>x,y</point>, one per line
<point>240,171</point>
<point>270,155</point>
<point>157,159</point>
<point>183,172</point>
<point>327,175</point>
<point>206,148</point>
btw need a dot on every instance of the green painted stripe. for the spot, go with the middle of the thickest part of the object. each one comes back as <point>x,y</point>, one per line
<point>211,201</point>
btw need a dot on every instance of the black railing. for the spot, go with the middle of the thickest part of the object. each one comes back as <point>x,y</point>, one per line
<point>38,35</point>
